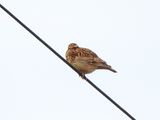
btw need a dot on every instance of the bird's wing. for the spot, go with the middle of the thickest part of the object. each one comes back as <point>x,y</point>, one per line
<point>84,52</point>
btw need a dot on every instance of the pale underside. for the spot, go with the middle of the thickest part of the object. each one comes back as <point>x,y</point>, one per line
<point>88,65</point>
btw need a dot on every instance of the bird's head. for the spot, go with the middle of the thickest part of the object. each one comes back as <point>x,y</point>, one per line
<point>72,46</point>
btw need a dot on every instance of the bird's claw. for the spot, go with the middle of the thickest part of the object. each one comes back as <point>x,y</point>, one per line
<point>82,75</point>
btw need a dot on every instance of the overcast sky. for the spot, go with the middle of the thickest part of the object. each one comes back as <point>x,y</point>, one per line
<point>36,85</point>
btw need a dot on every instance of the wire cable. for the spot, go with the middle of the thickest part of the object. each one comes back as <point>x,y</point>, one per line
<point>58,55</point>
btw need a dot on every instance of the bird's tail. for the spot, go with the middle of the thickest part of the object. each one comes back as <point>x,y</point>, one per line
<point>111,69</point>
<point>108,67</point>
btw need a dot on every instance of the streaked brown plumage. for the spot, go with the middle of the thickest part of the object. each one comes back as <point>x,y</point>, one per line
<point>85,60</point>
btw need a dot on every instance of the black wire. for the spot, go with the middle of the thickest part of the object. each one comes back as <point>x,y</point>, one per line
<point>58,55</point>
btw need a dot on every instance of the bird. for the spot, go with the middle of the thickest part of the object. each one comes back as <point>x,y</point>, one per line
<point>85,60</point>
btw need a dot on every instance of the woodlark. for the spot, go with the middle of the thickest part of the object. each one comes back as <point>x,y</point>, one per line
<point>85,60</point>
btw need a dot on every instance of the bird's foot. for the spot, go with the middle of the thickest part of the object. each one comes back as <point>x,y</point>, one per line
<point>82,75</point>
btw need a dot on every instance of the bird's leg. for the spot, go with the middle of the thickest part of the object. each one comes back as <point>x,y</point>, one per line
<point>82,75</point>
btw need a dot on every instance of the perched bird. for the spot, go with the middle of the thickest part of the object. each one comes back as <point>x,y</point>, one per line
<point>85,60</point>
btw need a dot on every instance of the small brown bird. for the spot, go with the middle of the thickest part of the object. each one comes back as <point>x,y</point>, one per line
<point>84,60</point>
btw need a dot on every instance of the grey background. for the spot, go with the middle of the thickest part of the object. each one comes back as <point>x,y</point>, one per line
<point>36,85</point>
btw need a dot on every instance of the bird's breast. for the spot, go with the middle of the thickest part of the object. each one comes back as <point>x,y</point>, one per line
<point>84,67</point>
